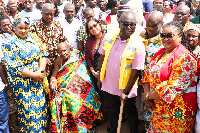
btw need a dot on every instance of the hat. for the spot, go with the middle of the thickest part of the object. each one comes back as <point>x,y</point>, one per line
<point>123,8</point>
<point>195,27</point>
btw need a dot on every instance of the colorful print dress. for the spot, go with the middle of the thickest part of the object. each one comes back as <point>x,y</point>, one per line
<point>175,112</point>
<point>78,100</point>
<point>29,95</point>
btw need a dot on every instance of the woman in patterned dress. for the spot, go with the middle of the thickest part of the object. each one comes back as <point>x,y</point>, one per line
<point>22,54</point>
<point>169,81</point>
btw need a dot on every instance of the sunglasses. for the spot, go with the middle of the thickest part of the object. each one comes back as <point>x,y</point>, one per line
<point>169,35</point>
<point>94,26</point>
<point>132,25</point>
<point>26,2</point>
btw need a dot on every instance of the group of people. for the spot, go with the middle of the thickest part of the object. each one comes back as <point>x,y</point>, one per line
<point>65,67</point>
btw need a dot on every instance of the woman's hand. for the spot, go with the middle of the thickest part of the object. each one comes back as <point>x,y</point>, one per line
<point>145,96</point>
<point>38,76</point>
<point>96,74</point>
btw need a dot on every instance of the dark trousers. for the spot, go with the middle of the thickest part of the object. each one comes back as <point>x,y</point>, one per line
<point>113,104</point>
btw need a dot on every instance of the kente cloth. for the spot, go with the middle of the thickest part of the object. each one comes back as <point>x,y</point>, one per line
<point>175,112</point>
<point>78,101</point>
<point>29,95</point>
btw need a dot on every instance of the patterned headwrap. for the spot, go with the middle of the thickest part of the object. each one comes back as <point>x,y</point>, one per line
<point>170,3</point>
<point>123,8</point>
<point>195,27</point>
<point>18,19</point>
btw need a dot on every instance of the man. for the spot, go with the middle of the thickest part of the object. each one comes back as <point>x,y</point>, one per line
<point>70,24</point>
<point>102,5</point>
<point>33,14</point>
<point>147,6</point>
<point>12,7</point>
<point>122,56</point>
<point>182,14</point>
<point>50,33</point>
<point>158,3</point>
<point>79,10</point>
<point>39,4</point>
<point>78,100</point>
<point>154,44</point>
<point>81,37</point>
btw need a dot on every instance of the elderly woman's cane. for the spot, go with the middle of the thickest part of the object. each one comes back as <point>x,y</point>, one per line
<point>120,116</point>
<point>57,108</point>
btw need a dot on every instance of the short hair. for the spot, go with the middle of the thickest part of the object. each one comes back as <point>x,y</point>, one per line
<point>87,9</point>
<point>68,4</point>
<point>161,9</point>
<point>111,4</point>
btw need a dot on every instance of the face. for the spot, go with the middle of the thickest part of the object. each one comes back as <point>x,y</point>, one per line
<point>89,15</point>
<point>69,12</point>
<point>153,26</point>
<point>172,38</point>
<point>181,15</point>
<point>166,6</point>
<point>78,3</point>
<point>192,38</point>
<point>92,3</point>
<point>21,30</point>
<point>64,51</point>
<point>94,28</point>
<point>48,15</point>
<point>2,11</point>
<point>102,4</point>
<point>39,3</point>
<point>6,26</point>
<point>158,3</point>
<point>12,5</point>
<point>127,26</point>
<point>28,4</point>
<point>114,9</point>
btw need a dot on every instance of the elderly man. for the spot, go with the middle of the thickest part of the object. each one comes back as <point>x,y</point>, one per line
<point>33,14</point>
<point>50,33</point>
<point>70,24</point>
<point>182,15</point>
<point>12,7</point>
<point>122,56</point>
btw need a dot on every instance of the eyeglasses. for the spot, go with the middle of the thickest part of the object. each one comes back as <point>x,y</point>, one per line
<point>132,25</point>
<point>169,35</point>
<point>94,26</point>
<point>26,2</point>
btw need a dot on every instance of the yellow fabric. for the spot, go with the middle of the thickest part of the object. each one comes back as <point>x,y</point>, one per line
<point>194,4</point>
<point>127,56</point>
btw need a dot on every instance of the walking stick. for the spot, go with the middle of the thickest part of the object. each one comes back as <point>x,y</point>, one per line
<point>120,116</point>
<point>57,108</point>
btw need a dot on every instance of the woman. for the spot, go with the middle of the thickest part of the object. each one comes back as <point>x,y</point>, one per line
<point>78,101</point>
<point>95,37</point>
<point>111,19</point>
<point>169,86</point>
<point>168,5</point>
<point>6,33</point>
<point>22,54</point>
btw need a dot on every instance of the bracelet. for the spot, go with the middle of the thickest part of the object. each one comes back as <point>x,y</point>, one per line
<point>147,95</point>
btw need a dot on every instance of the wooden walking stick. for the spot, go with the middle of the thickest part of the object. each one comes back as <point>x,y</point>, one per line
<point>120,116</point>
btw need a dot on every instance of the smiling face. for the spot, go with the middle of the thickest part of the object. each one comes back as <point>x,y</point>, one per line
<point>12,5</point>
<point>69,12</point>
<point>63,51</point>
<point>21,30</point>
<point>28,4</point>
<point>170,43</point>
<point>192,38</point>
<point>94,28</point>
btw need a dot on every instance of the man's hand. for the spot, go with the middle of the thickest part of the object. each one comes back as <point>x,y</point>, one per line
<point>123,96</point>
<point>145,96</point>
<point>150,104</point>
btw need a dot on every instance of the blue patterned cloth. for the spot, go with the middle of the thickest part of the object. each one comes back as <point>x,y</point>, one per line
<point>29,95</point>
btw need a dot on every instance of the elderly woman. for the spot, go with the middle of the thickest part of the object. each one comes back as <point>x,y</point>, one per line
<point>25,61</point>
<point>169,87</point>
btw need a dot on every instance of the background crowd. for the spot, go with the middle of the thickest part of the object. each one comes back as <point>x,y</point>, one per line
<point>68,65</point>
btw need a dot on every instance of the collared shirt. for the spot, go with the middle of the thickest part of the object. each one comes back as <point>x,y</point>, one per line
<point>110,83</point>
<point>70,31</point>
<point>49,36</point>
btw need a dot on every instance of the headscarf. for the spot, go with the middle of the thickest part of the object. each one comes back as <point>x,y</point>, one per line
<point>18,19</point>
<point>170,3</point>
<point>195,27</point>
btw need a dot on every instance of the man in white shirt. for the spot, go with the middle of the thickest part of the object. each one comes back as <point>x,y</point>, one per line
<point>29,11</point>
<point>70,24</point>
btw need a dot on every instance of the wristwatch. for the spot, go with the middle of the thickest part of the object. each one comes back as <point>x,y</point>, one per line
<point>125,92</point>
